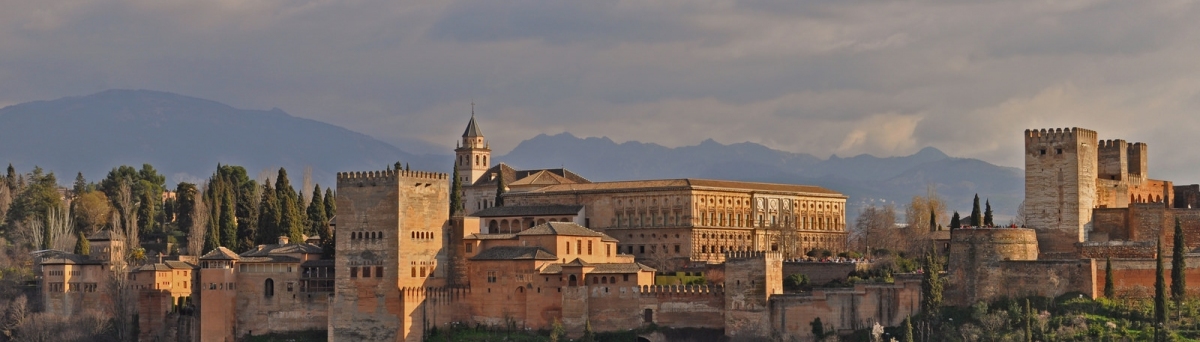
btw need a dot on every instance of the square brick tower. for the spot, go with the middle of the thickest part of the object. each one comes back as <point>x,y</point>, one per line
<point>1060,186</point>
<point>390,231</point>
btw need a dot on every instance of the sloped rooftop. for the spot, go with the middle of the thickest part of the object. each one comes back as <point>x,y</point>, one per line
<point>515,253</point>
<point>529,210</point>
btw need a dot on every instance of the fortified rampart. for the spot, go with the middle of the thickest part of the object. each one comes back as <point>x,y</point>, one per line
<point>975,257</point>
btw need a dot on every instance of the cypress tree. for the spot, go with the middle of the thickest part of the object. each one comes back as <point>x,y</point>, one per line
<point>330,203</point>
<point>316,214</point>
<point>908,330</point>
<point>932,221</point>
<point>10,178</point>
<point>1178,280</point>
<point>976,216</point>
<point>228,222</point>
<point>500,189</point>
<point>1160,293</point>
<point>987,214</point>
<point>82,247</point>
<point>1109,290</point>
<point>290,221</point>
<point>931,284</point>
<point>397,166</point>
<point>456,204</point>
<point>955,221</point>
<point>268,214</point>
<point>1028,321</point>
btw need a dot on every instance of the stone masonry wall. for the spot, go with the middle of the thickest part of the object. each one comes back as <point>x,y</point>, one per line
<point>846,309</point>
<point>1060,185</point>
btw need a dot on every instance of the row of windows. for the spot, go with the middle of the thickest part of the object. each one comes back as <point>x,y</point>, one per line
<point>641,249</point>
<point>265,268</point>
<point>463,160</point>
<point>221,286</point>
<point>421,235</point>
<point>366,235</point>
<point>73,287</point>
<point>59,273</point>
<point>366,272</point>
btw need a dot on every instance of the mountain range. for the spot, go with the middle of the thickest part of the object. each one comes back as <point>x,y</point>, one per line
<point>186,137</point>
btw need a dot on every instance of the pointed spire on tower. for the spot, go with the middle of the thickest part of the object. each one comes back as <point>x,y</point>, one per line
<point>472,128</point>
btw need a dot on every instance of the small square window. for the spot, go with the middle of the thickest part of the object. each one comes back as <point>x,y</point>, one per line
<point>1043,151</point>
<point>1059,151</point>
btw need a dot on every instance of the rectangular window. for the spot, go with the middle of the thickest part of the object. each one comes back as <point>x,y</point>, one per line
<point>422,272</point>
<point>414,272</point>
<point>367,272</point>
<point>641,249</point>
<point>378,271</point>
<point>608,250</point>
<point>354,272</point>
<point>676,249</point>
<point>589,248</point>
<point>626,277</point>
<point>470,247</point>
<point>491,276</point>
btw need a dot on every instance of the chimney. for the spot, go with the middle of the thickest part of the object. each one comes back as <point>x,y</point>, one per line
<point>283,239</point>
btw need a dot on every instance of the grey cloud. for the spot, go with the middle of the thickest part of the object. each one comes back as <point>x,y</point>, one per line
<point>820,77</point>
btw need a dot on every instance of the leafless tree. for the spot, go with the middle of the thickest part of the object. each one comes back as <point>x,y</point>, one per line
<point>1019,219</point>
<point>14,316</point>
<point>126,208</point>
<point>30,232</point>
<point>875,228</point>
<point>307,184</point>
<point>6,199</point>
<point>121,296</point>
<point>60,229</point>
<point>199,226</point>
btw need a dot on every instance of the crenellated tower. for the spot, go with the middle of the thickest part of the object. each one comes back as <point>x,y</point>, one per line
<point>472,154</point>
<point>1060,185</point>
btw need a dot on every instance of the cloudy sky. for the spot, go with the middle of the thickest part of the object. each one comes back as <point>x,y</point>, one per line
<point>821,77</point>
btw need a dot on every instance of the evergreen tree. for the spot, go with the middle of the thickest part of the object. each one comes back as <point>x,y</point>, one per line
<point>908,330</point>
<point>330,203</point>
<point>80,185</point>
<point>10,178</point>
<point>269,215</point>
<point>1178,278</point>
<point>588,334</point>
<point>931,284</point>
<point>81,245</point>
<point>933,226</point>
<point>1109,291</point>
<point>290,221</point>
<point>456,204</point>
<point>987,214</point>
<point>228,222</point>
<point>500,189</point>
<point>1028,321</point>
<point>185,204</point>
<point>976,216</point>
<point>955,221</point>
<point>397,166</point>
<point>316,214</point>
<point>1160,293</point>
<point>818,328</point>
<point>406,168</point>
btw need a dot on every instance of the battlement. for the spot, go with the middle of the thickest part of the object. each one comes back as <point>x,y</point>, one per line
<point>1137,158</point>
<point>748,255</point>
<point>388,176</point>
<point>1113,144</point>
<point>1051,135</point>
<point>676,290</point>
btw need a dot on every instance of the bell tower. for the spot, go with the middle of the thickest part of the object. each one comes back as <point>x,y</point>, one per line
<point>473,153</point>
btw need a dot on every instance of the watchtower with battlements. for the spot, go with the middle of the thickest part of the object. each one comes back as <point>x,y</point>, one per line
<point>390,233</point>
<point>1060,185</point>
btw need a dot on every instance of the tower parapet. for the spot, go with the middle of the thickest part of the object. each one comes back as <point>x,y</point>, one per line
<point>1114,162</point>
<point>1137,160</point>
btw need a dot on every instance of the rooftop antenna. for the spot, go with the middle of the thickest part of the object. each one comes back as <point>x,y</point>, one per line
<point>472,109</point>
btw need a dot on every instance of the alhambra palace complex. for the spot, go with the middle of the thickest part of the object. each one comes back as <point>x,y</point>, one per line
<point>563,248</point>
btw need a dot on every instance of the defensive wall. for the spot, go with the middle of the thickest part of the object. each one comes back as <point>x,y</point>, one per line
<point>820,273</point>
<point>1134,277</point>
<point>989,263</point>
<point>846,309</point>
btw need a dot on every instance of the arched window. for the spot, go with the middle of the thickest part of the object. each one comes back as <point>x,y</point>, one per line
<point>493,227</point>
<point>269,288</point>
<point>476,160</point>
<point>571,281</point>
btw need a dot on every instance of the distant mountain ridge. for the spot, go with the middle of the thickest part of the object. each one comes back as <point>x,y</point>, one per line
<point>864,178</point>
<point>186,137</point>
<point>183,137</point>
